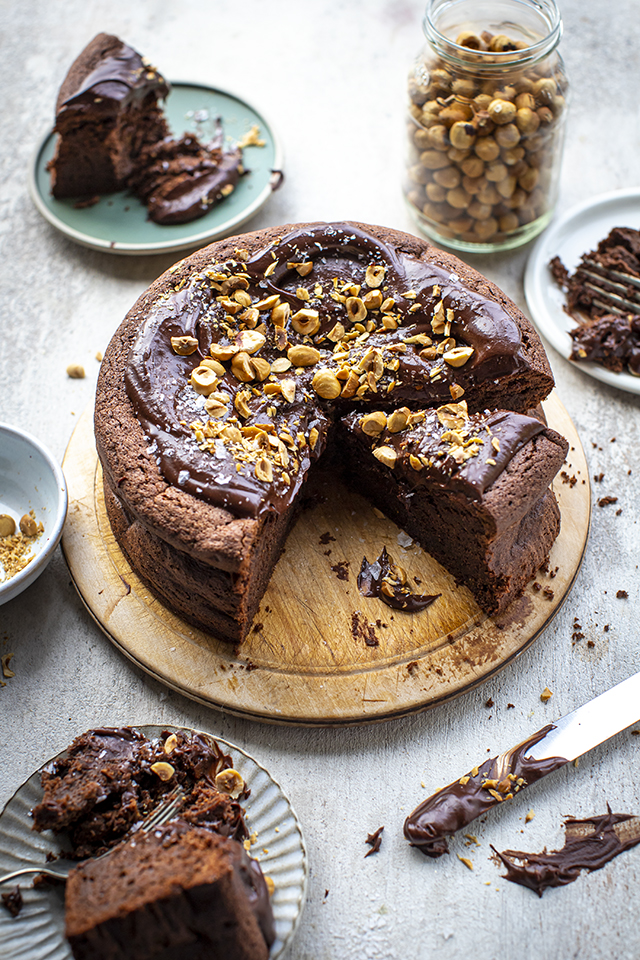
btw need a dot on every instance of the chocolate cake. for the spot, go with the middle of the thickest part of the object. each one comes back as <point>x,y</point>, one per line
<point>186,888</point>
<point>472,489</point>
<point>221,391</point>
<point>111,778</point>
<point>177,892</point>
<point>608,331</point>
<point>107,110</point>
<point>112,135</point>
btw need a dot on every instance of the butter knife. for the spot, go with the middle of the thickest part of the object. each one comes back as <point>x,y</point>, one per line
<point>501,778</point>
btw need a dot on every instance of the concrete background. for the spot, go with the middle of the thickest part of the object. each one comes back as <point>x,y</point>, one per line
<point>331,76</point>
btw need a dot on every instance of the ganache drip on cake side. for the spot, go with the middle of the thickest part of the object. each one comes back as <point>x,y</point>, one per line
<point>157,379</point>
<point>121,78</point>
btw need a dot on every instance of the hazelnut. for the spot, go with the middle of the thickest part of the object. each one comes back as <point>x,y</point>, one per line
<point>508,136</point>
<point>184,346</point>
<point>163,770</point>
<point>230,782</point>
<point>326,384</point>
<point>527,120</point>
<point>386,455</point>
<point>487,149</point>
<point>280,314</point>
<point>203,380</point>
<point>398,420</point>
<point>356,310</point>
<point>502,111</point>
<point>373,423</point>
<point>28,526</point>
<point>462,135</point>
<point>250,341</point>
<point>306,322</point>
<point>375,275</point>
<point>469,39</point>
<point>7,525</point>
<point>459,355</point>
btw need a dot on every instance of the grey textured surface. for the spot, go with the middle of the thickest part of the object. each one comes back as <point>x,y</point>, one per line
<point>331,76</point>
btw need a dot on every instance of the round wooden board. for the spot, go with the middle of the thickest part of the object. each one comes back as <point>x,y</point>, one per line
<point>319,653</point>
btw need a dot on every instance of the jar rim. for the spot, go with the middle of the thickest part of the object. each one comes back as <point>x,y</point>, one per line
<point>489,60</point>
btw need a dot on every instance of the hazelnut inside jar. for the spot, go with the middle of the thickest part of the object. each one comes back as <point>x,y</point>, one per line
<point>487,105</point>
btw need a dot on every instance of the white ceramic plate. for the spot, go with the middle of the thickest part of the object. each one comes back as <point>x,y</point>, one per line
<point>118,222</point>
<point>37,933</point>
<point>569,237</point>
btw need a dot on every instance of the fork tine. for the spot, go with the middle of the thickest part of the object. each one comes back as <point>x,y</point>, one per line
<point>626,278</point>
<point>165,810</point>
<point>616,296</point>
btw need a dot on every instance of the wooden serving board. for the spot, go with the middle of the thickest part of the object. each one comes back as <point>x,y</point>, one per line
<point>319,652</point>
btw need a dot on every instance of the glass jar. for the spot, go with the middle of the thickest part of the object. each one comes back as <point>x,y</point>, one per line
<point>488,99</point>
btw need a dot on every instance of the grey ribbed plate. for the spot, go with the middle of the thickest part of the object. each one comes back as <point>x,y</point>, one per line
<point>38,931</point>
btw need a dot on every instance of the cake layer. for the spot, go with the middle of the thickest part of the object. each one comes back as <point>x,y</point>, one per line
<point>107,111</point>
<point>177,893</point>
<point>471,489</point>
<point>218,394</point>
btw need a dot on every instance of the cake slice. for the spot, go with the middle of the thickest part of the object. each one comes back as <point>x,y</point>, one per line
<point>180,180</point>
<point>177,893</point>
<point>107,110</point>
<point>472,489</point>
<point>111,778</point>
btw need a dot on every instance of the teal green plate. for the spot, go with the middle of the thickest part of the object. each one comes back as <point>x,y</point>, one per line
<point>118,222</point>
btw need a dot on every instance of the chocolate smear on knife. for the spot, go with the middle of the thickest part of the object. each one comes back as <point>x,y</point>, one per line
<point>388,582</point>
<point>589,845</point>
<point>496,780</point>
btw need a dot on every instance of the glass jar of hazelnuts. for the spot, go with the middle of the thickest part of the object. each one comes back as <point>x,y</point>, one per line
<point>488,99</point>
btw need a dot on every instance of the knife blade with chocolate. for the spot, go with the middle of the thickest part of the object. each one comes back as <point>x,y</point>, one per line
<point>501,778</point>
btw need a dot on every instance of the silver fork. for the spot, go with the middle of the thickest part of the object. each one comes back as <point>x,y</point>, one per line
<point>612,287</point>
<point>61,867</point>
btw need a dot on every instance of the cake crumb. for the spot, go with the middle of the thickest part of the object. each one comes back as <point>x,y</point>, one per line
<point>13,901</point>
<point>6,669</point>
<point>546,695</point>
<point>468,864</point>
<point>15,549</point>
<point>606,501</point>
<point>75,371</point>
<point>622,595</point>
<point>374,840</point>
<point>529,816</point>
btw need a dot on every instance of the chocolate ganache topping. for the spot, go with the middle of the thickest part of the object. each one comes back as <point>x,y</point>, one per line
<point>447,446</point>
<point>496,780</point>
<point>124,77</point>
<point>236,373</point>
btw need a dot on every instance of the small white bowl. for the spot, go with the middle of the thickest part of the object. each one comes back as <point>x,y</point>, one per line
<point>30,479</point>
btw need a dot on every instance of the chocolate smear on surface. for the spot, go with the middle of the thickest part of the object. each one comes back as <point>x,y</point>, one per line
<point>589,845</point>
<point>496,780</point>
<point>388,582</point>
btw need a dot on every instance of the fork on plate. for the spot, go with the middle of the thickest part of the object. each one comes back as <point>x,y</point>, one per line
<point>611,287</point>
<point>59,870</point>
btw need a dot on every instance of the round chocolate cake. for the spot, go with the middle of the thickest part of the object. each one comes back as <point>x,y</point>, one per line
<point>237,371</point>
